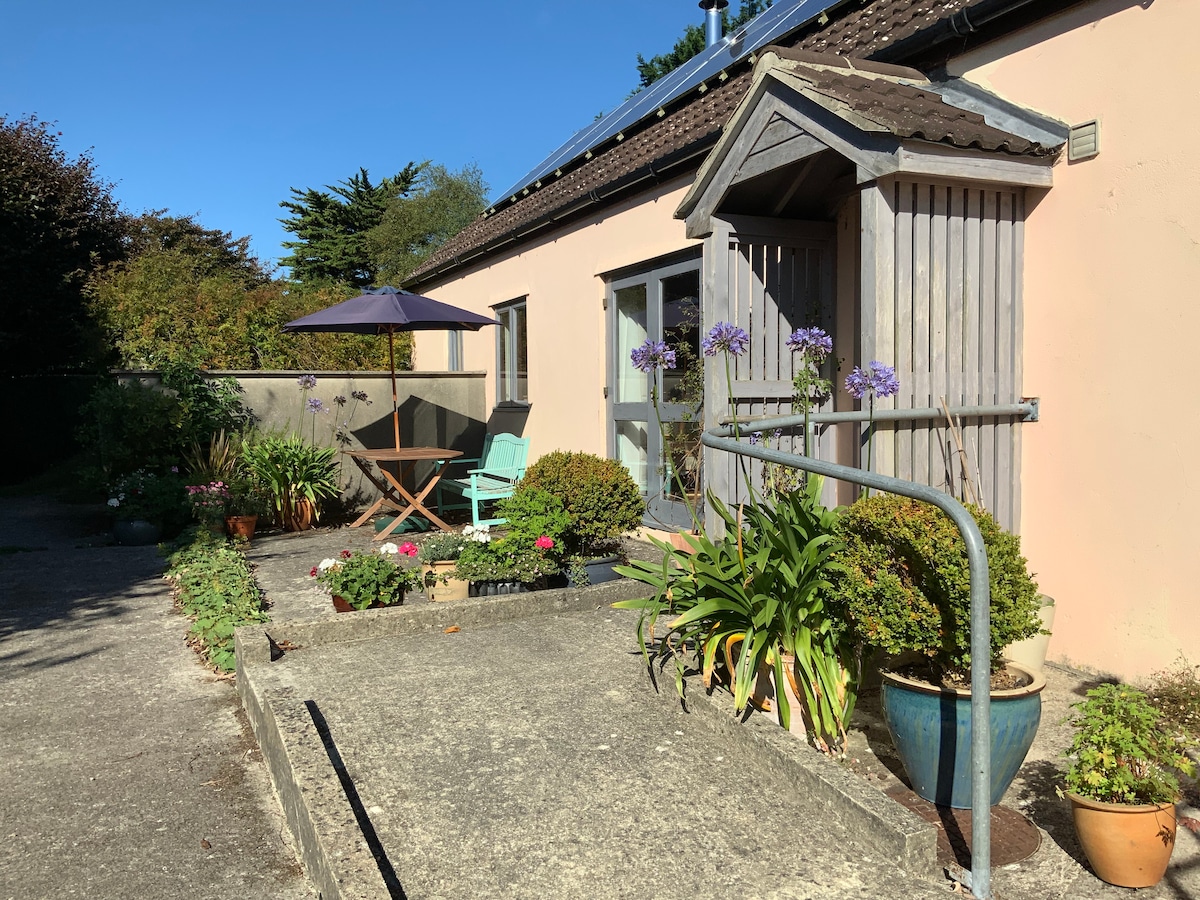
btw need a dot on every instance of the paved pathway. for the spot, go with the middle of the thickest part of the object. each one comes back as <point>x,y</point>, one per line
<point>128,771</point>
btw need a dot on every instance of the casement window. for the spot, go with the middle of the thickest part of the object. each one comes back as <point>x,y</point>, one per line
<point>512,354</point>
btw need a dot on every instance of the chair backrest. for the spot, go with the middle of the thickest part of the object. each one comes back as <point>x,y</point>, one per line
<point>505,453</point>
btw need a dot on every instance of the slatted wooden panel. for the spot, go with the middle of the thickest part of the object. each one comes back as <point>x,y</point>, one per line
<point>953,330</point>
<point>777,277</point>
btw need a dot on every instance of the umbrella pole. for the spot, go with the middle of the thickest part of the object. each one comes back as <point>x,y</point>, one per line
<point>395,402</point>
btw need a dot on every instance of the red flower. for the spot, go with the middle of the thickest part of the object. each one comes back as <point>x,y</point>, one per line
<point>408,548</point>
<point>544,542</point>
<point>345,554</point>
<point>313,572</point>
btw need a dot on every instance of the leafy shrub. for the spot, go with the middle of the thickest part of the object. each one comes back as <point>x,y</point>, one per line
<point>214,586</point>
<point>904,585</point>
<point>126,427</point>
<point>1176,693</point>
<point>445,546</point>
<point>148,496</point>
<point>1123,750</point>
<point>530,550</point>
<point>207,406</point>
<point>599,495</point>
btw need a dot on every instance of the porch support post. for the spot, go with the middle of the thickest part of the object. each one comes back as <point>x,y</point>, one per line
<point>877,301</point>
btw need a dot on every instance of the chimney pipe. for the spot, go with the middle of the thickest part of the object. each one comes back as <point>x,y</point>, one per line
<point>712,20</point>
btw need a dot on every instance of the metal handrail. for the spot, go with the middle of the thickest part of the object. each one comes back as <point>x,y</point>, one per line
<point>1027,409</point>
<point>981,846</point>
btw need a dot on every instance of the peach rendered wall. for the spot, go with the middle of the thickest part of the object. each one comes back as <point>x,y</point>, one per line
<point>1110,489</point>
<point>561,275</point>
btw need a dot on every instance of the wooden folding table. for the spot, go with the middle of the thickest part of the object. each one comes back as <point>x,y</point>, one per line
<point>393,494</point>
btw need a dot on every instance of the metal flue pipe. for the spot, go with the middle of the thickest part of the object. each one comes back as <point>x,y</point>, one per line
<point>712,20</point>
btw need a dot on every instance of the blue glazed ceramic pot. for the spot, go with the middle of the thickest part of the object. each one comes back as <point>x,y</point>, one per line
<point>931,730</point>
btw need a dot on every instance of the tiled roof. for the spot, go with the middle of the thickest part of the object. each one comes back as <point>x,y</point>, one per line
<point>899,104</point>
<point>674,143</point>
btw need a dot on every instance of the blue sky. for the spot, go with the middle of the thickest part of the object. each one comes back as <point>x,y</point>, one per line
<point>217,108</point>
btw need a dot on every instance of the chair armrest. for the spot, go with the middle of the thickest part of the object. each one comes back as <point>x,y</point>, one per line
<point>510,473</point>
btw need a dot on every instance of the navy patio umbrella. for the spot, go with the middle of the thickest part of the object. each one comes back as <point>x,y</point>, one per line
<point>387,310</point>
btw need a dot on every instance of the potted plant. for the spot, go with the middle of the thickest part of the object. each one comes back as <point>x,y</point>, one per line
<point>903,587</point>
<point>208,502</point>
<point>247,501</point>
<point>296,475</point>
<point>439,555</point>
<point>525,555</point>
<point>602,503</point>
<point>753,600</point>
<point>1121,785</point>
<point>143,502</point>
<point>369,580</point>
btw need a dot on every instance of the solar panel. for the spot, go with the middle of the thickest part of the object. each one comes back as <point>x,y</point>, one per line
<point>771,24</point>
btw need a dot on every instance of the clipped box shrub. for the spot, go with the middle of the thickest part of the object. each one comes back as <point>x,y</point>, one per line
<point>599,495</point>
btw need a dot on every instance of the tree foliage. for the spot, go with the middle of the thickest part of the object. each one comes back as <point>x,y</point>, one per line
<point>332,226</point>
<point>58,222</point>
<point>441,205</point>
<point>692,42</point>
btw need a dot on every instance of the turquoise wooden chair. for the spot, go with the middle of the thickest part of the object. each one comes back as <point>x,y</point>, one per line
<point>495,475</point>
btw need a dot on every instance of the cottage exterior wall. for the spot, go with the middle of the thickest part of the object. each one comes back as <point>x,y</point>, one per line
<point>1112,264</point>
<point>561,276</point>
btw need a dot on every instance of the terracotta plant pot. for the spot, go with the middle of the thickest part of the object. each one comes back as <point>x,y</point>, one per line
<point>300,516</point>
<point>444,586</point>
<point>241,526</point>
<point>342,606</point>
<point>1129,846</point>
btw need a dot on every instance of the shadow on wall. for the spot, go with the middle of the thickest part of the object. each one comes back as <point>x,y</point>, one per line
<point>423,424</point>
<point>508,419</point>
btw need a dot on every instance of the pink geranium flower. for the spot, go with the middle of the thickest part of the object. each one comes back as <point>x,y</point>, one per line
<point>408,548</point>
<point>544,542</point>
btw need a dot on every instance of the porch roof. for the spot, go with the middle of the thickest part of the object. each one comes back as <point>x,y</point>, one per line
<point>885,119</point>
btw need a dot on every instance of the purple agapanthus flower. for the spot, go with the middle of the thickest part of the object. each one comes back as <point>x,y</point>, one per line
<point>307,382</point>
<point>652,355</point>
<point>339,400</point>
<point>360,396</point>
<point>725,337</point>
<point>756,438</point>
<point>315,405</point>
<point>877,380</point>
<point>813,342</point>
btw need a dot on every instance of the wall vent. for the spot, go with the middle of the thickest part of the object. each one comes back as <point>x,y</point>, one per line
<point>1083,141</point>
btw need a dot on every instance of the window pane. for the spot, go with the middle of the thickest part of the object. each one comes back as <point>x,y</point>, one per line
<point>454,352</point>
<point>504,382</point>
<point>632,385</point>
<point>631,450</point>
<point>520,354</point>
<point>681,331</point>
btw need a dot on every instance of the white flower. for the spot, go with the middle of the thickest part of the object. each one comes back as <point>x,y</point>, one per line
<point>389,548</point>
<point>326,564</point>
<point>113,501</point>
<point>478,533</point>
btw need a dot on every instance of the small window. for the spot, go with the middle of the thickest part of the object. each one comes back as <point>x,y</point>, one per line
<point>454,352</point>
<point>512,354</point>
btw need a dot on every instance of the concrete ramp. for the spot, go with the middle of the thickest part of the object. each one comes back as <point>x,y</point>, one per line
<point>532,758</point>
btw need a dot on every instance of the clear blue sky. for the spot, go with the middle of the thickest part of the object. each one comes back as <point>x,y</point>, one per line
<point>217,108</point>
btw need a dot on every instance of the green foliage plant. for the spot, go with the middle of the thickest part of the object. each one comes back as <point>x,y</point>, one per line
<point>600,497</point>
<point>125,427</point>
<point>208,406</point>
<point>1175,691</point>
<point>445,546</point>
<point>1123,751</point>
<point>530,550</point>
<point>146,495</point>
<point>215,587</point>
<point>290,469</point>
<point>763,584</point>
<point>903,583</point>
<point>372,578</point>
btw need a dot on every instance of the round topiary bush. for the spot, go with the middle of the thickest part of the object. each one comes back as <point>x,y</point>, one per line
<point>599,495</point>
<point>903,583</point>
